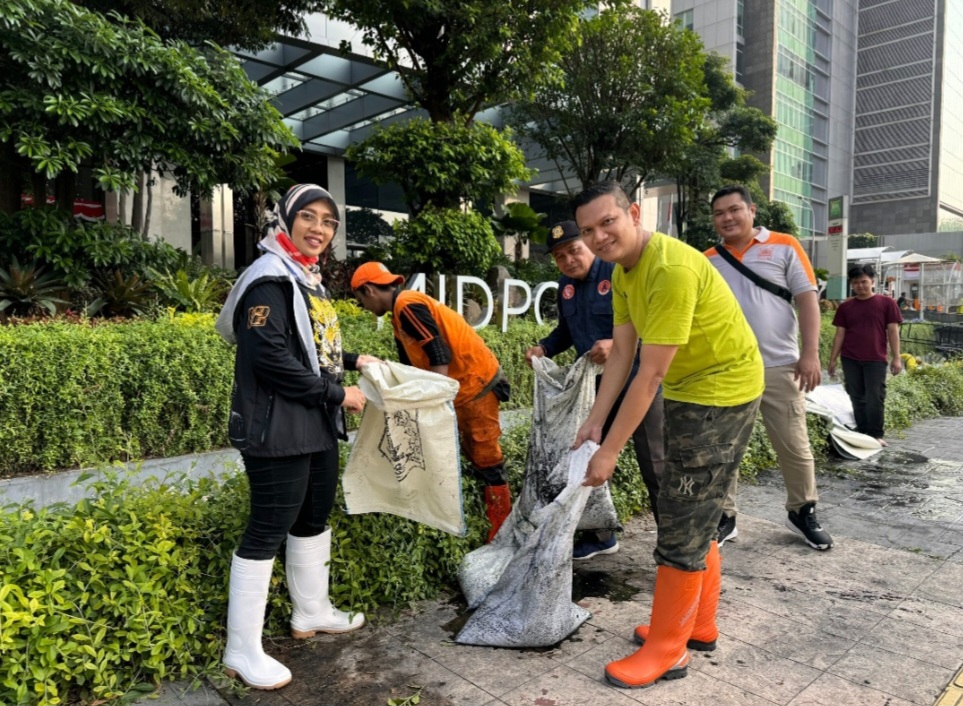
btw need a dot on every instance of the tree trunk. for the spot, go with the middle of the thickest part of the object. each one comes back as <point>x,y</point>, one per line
<point>65,190</point>
<point>39,183</point>
<point>11,173</point>
<point>122,207</point>
<point>137,207</point>
<point>147,209</point>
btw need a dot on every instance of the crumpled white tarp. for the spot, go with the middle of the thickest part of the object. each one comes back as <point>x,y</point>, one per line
<point>521,583</point>
<point>405,458</point>
<point>831,402</point>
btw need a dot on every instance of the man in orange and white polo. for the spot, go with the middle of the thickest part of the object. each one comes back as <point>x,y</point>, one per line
<point>780,259</point>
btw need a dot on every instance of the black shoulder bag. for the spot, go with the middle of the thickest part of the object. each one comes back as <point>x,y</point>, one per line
<point>771,287</point>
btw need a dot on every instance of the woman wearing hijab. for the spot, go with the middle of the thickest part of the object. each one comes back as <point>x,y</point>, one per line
<point>287,414</point>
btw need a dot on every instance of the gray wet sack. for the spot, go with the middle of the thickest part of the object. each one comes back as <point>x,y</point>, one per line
<point>521,583</point>
<point>562,401</point>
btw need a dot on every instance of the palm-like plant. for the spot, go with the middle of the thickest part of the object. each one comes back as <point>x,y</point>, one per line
<point>25,290</point>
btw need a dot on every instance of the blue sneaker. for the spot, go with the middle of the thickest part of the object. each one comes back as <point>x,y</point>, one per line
<point>588,548</point>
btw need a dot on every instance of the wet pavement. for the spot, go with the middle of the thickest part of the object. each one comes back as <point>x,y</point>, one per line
<point>877,620</point>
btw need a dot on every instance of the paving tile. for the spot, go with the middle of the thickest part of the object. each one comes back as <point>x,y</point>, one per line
<point>931,614</point>
<point>618,618</point>
<point>755,670</point>
<point>818,599</point>
<point>592,663</point>
<point>918,642</point>
<point>564,686</point>
<point>792,639</point>
<point>910,679</point>
<point>699,689</point>
<point>494,670</point>
<point>830,690</point>
<point>945,585</point>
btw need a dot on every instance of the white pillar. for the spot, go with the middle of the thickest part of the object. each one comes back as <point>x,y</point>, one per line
<point>223,226</point>
<point>337,190</point>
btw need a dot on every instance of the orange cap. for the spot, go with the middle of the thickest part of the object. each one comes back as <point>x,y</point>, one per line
<point>374,273</point>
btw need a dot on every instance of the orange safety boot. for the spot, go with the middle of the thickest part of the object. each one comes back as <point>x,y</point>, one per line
<point>498,506</point>
<point>664,654</point>
<point>705,633</point>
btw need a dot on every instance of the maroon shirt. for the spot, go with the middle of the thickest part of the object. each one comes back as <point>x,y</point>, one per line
<point>865,321</point>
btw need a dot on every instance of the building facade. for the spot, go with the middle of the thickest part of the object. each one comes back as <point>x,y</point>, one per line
<point>908,160</point>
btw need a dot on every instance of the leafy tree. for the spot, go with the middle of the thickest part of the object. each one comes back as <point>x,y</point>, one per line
<point>456,58</point>
<point>630,95</point>
<point>366,226</point>
<point>441,163</point>
<point>522,222</point>
<point>705,164</point>
<point>445,240</point>
<point>861,240</point>
<point>247,24</point>
<point>78,90</point>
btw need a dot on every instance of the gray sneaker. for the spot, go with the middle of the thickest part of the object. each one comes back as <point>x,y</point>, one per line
<point>804,523</point>
<point>727,529</point>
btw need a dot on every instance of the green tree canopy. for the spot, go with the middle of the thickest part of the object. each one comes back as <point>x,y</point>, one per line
<point>247,24</point>
<point>78,90</point>
<point>456,58</point>
<point>630,95</point>
<point>705,164</point>
<point>441,163</point>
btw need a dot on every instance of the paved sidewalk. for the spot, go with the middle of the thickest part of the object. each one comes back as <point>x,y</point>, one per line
<point>878,620</point>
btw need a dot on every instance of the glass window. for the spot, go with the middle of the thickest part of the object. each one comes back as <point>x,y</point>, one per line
<point>686,19</point>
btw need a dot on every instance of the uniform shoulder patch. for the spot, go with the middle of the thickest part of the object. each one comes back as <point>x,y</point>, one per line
<point>605,286</point>
<point>257,316</point>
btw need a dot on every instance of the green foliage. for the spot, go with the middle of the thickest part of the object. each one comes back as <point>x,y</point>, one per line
<point>366,226</point>
<point>446,240</point>
<point>630,97</point>
<point>522,222</point>
<point>456,58</point>
<point>25,290</point>
<point>205,292</point>
<point>861,240</point>
<point>120,295</point>
<point>247,24</point>
<point>76,89</point>
<point>78,394</point>
<point>77,252</point>
<point>704,166</point>
<point>441,164</point>
<point>116,592</point>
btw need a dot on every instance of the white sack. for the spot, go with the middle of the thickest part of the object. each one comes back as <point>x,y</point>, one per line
<point>405,458</point>
<point>562,401</point>
<point>521,583</point>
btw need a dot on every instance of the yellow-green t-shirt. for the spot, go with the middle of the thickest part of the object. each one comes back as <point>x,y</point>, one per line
<point>674,296</point>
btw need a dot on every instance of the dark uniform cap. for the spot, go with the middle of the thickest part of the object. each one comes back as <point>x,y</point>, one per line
<point>562,233</point>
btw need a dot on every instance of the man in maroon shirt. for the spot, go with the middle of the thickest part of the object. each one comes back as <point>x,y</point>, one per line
<point>864,324</point>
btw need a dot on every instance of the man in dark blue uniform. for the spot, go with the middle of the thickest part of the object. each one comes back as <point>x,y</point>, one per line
<point>585,321</point>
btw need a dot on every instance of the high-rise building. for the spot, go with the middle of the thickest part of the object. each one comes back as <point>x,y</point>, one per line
<point>908,161</point>
<point>797,58</point>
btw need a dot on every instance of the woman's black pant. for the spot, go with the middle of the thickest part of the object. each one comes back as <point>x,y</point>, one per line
<point>289,495</point>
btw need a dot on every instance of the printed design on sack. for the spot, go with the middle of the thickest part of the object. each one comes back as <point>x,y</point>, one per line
<point>257,316</point>
<point>685,485</point>
<point>401,444</point>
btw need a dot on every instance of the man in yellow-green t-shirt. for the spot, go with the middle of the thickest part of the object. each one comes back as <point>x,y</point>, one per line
<point>697,344</point>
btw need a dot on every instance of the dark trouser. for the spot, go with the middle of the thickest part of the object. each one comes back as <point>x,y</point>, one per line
<point>866,386</point>
<point>289,495</point>
<point>649,442</point>
<point>704,447</point>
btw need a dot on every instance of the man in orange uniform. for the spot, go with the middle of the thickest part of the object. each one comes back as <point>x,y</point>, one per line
<point>431,336</point>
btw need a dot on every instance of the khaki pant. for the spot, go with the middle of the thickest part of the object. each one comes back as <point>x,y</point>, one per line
<point>783,410</point>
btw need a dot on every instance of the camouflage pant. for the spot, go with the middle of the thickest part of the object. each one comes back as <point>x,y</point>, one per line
<point>704,446</point>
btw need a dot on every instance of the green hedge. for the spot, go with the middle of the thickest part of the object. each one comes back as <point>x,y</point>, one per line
<point>77,394</point>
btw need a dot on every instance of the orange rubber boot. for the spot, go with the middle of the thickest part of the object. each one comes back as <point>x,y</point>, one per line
<point>664,654</point>
<point>498,505</point>
<point>705,633</point>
